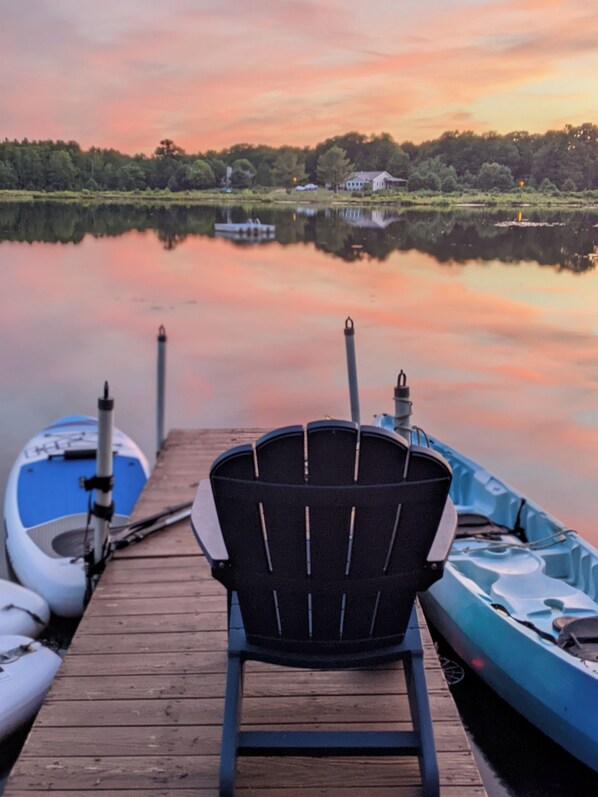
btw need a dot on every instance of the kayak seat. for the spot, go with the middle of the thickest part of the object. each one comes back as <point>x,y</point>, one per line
<point>514,577</point>
<point>538,592</point>
<point>485,565</point>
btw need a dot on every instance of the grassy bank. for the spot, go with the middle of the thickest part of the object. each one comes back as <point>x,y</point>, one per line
<point>277,196</point>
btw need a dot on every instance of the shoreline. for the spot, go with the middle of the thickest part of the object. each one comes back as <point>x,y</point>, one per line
<point>321,198</point>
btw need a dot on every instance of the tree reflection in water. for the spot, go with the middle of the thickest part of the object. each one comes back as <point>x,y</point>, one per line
<point>562,239</point>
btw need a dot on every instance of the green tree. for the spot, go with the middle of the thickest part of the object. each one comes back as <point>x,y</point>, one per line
<point>494,175</point>
<point>547,186</point>
<point>168,149</point>
<point>8,177</point>
<point>334,167</point>
<point>448,184</point>
<point>426,181</point>
<point>569,185</point>
<point>379,152</point>
<point>398,164</point>
<point>60,172</point>
<point>243,173</point>
<point>192,176</point>
<point>132,177</point>
<point>264,174</point>
<point>288,168</point>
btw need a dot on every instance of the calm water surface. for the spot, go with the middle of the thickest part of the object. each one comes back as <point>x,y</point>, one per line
<point>495,325</point>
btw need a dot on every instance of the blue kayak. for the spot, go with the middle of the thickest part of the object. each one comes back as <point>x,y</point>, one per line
<point>519,602</point>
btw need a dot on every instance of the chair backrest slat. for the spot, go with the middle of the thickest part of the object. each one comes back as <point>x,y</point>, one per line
<point>331,453</point>
<point>242,525</point>
<point>381,461</point>
<point>280,459</point>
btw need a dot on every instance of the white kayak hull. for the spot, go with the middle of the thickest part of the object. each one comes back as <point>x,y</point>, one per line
<point>27,669</point>
<point>46,507</point>
<point>22,611</point>
<point>510,588</point>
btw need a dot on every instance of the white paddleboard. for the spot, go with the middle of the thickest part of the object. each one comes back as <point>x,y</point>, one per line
<point>22,611</point>
<point>27,669</point>
<point>46,507</point>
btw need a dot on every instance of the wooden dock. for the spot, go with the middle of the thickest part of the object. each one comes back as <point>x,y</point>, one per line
<point>137,705</point>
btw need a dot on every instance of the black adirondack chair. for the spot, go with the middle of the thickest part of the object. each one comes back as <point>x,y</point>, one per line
<point>322,538</point>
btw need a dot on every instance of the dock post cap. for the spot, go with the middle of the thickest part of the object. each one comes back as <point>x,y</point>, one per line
<point>105,402</point>
<point>402,388</point>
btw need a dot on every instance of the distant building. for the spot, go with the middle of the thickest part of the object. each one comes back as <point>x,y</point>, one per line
<point>375,181</point>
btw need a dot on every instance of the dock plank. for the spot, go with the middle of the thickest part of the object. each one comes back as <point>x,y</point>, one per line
<point>136,707</point>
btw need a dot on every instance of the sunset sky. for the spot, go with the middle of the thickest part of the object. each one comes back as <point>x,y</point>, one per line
<point>211,73</point>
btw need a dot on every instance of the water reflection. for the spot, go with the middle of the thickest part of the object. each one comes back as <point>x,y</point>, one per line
<point>503,361</point>
<point>565,239</point>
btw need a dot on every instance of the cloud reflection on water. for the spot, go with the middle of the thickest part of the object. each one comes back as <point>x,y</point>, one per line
<point>255,339</point>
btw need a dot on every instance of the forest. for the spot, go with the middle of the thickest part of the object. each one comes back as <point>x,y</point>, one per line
<point>557,160</point>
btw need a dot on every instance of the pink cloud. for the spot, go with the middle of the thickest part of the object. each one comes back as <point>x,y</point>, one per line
<point>208,75</point>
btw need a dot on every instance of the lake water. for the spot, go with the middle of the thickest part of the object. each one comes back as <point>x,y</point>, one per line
<point>491,315</point>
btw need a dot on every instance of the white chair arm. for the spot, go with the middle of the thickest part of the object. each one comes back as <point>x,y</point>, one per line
<point>205,524</point>
<point>439,550</point>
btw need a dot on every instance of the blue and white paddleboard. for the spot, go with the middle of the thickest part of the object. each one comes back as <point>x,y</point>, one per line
<point>46,507</point>
<point>27,669</point>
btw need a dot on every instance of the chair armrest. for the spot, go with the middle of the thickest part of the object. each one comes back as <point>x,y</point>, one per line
<point>205,524</point>
<point>441,545</point>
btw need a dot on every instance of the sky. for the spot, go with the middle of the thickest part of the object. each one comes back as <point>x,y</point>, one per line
<point>212,73</point>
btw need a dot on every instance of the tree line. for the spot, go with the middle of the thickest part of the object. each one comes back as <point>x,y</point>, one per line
<point>565,160</point>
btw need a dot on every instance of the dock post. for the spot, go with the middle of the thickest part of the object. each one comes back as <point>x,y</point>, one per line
<point>161,391</point>
<point>352,369</point>
<point>403,405</point>
<point>102,511</point>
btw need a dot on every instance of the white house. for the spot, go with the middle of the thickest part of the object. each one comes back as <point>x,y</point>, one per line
<point>376,181</point>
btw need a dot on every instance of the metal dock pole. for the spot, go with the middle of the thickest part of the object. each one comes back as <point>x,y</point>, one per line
<point>102,511</point>
<point>161,391</point>
<point>352,369</point>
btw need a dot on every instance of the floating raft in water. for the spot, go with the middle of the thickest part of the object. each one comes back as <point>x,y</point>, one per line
<point>252,228</point>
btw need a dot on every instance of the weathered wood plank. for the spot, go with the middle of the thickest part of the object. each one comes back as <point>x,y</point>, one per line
<point>157,591</point>
<point>131,624</point>
<point>170,571</point>
<point>201,771</point>
<point>148,643</point>
<point>133,665</point>
<point>345,791</point>
<point>116,607</point>
<point>180,740</point>
<point>258,684</point>
<point>190,711</point>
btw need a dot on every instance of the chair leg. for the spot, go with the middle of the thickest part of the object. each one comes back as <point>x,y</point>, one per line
<point>422,723</point>
<point>230,724</point>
